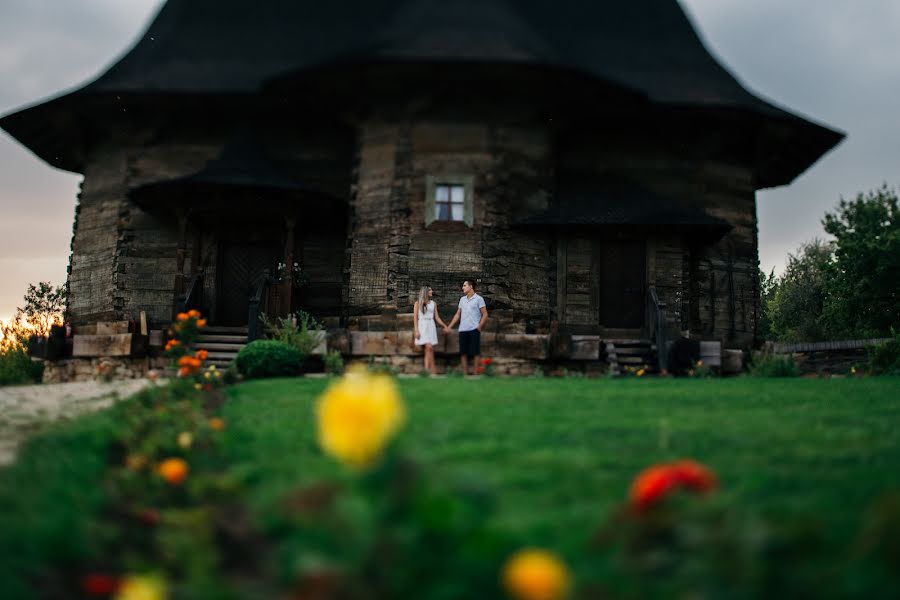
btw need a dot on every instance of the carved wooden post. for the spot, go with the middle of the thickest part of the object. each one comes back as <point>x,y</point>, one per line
<point>288,282</point>
<point>179,255</point>
<point>195,249</point>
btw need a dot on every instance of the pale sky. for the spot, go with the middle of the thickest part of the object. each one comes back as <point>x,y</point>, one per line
<point>834,61</point>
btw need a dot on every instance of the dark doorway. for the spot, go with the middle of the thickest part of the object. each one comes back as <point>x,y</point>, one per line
<point>622,283</point>
<point>241,267</point>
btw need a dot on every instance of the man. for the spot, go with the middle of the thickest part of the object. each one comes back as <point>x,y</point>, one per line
<point>472,316</point>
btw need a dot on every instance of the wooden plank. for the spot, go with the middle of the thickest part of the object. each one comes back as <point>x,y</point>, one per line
<point>113,328</point>
<point>585,347</point>
<point>561,248</point>
<point>102,345</point>
<point>711,353</point>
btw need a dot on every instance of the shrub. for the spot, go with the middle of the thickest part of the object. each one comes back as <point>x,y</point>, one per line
<point>334,363</point>
<point>884,359</point>
<point>17,368</point>
<point>268,358</point>
<point>773,365</point>
<point>300,330</point>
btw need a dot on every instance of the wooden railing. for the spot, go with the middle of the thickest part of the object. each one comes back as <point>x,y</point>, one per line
<point>658,329</point>
<point>191,297</point>
<point>258,297</point>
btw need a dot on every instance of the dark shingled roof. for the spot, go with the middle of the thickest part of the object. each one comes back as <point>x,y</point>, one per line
<point>229,47</point>
<point>623,204</point>
<point>242,167</point>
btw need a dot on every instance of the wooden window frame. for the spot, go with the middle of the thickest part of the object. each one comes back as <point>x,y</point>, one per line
<point>465,181</point>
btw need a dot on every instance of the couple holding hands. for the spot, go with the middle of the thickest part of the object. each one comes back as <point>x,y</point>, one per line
<point>471,315</point>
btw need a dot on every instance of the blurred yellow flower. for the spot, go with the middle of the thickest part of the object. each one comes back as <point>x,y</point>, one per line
<point>534,574</point>
<point>357,417</point>
<point>136,462</point>
<point>185,439</point>
<point>640,372</point>
<point>142,587</point>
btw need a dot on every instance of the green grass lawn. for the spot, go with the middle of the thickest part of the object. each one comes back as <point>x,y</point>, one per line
<point>560,453</point>
<point>557,453</point>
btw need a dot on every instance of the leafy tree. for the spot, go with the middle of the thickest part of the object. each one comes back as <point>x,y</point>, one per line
<point>768,286</point>
<point>801,293</point>
<point>44,306</point>
<point>864,283</point>
<point>13,333</point>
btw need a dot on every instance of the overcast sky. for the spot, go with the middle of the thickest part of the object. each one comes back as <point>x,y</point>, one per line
<point>834,61</point>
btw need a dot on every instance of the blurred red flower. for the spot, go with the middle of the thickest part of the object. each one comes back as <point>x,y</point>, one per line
<point>655,483</point>
<point>99,584</point>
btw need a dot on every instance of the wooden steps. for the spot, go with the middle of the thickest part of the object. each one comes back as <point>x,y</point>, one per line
<point>630,354</point>
<point>222,343</point>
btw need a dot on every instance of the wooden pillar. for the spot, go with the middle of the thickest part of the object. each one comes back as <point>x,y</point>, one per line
<point>561,269</point>
<point>180,251</point>
<point>288,282</point>
<point>196,241</point>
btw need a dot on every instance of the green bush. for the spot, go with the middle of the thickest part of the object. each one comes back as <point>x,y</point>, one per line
<point>334,363</point>
<point>773,365</point>
<point>300,330</point>
<point>268,358</point>
<point>17,368</point>
<point>884,359</point>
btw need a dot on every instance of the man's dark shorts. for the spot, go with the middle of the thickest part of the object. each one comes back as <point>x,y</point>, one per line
<point>470,343</point>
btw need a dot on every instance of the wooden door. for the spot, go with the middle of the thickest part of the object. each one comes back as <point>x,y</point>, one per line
<point>622,276</point>
<point>241,267</point>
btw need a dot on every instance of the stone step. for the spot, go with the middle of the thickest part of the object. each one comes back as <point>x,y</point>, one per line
<point>210,346</point>
<point>221,339</point>
<point>634,350</point>
<point>224,329</point>
<point>630,343</point>
<point>634,360</point>
<point>221,355</point>
<point>220,362</point>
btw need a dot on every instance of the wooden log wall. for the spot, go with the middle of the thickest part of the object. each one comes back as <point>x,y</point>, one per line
<point>724,275</point>
<point>94,261</point>
<point>716,297</point>
<point>124,260</point>
<point>511,172</point>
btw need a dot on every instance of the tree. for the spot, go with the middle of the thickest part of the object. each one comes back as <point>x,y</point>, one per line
<point>768,286</point>
<point>13,333</point>
<point>865,274</point>
<point>801,294</point>
<point>44,306</point>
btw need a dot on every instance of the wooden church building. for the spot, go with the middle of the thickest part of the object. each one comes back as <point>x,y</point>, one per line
<point>589,164</point>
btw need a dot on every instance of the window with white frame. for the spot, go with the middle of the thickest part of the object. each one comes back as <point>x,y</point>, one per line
<point>448,199</point>
<point>449,202</point>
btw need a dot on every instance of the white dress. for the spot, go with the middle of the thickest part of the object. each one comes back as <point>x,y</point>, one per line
<point>427,329</point>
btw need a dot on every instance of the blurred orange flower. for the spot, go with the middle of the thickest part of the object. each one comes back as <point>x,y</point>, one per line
<point>180,317</point>
<point>173,470</point>
<point>534,574</point>
<point>188,365</point>
<point>202,354</point>
<point>193,314</point>
<point>216,424</point>
<point>201,323</point>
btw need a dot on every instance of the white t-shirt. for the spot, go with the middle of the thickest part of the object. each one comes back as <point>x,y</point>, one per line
<point>470,312</point>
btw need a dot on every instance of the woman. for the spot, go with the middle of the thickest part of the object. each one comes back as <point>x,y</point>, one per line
<point>426,313</point>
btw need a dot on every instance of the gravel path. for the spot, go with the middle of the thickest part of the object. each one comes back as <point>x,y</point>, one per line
<point>26,409</point>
